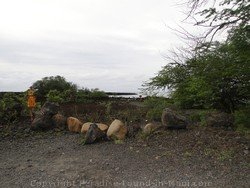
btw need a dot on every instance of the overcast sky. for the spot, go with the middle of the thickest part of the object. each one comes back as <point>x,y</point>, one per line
<point>113,45</point>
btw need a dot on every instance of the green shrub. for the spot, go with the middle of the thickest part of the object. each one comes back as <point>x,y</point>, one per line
<point>88,96</point>
<point>195,117</point>
<point>67,90</point>
<point>97,94</point>
<point>54,96</point>
<point>155,107</point>
<point>58,89</point>
<point>199,117</point>
<point>81,96</point>
<point>12,106</point>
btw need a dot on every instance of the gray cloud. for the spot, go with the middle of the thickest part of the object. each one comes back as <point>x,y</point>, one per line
<point>114,47</point>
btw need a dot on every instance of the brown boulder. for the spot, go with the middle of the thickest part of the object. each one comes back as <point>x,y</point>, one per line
<point>117,130</point>
<point>59,121</point>
<point>74,124</point>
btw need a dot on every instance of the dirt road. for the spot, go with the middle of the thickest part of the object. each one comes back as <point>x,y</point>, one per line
<point>193,158</point>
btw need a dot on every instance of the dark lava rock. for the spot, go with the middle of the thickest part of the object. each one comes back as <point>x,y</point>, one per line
<point>94,134</point>
<point>50,108</point>
<point>43,120</point>
<point>173,120</point>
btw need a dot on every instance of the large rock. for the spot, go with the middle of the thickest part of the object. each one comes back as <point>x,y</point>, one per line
<point>50,108</point>
<point>85,127</point>
<point>172,120</point>
<point>94,134</point>
<point>59,121</point>
<point>219,119</point>
<point>74,124</point>
<point>43,120</point>
<point>117,130</point>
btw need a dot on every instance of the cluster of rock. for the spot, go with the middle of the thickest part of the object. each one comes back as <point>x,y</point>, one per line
<point>98,131</point>
<point>49,117</point>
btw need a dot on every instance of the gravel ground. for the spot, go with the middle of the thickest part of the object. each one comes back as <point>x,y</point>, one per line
<point>197,157</point>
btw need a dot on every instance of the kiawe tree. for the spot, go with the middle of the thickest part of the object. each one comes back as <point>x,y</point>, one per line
<point>217,75</point>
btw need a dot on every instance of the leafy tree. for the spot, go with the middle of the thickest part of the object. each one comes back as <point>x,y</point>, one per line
<point>56,83</point>
<point>216,77</point>
<point>217,74</point>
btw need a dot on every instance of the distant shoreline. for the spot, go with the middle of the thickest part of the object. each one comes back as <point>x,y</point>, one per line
<point>110,94</point>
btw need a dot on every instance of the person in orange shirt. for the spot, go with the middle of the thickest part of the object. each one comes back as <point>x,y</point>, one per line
<point>31,102</point>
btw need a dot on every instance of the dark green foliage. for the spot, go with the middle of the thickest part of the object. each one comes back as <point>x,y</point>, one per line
<point>198,117</point>
<point>217,77</point>
<point>57,89</point>
<point>55,96</point>
<point>87,96</point>
<point>56,83</point>
<point>12,106</point>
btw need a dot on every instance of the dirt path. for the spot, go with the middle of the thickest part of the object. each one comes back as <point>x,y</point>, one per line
<point>193,158</point>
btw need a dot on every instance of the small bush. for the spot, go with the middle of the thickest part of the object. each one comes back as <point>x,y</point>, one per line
<point>12,106</point>
<point>81,96</point>
<point>55,96</point>
<point>89,96</point>
<point>97,94</point>
<point>199,117</point>
<point>155,107</point>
